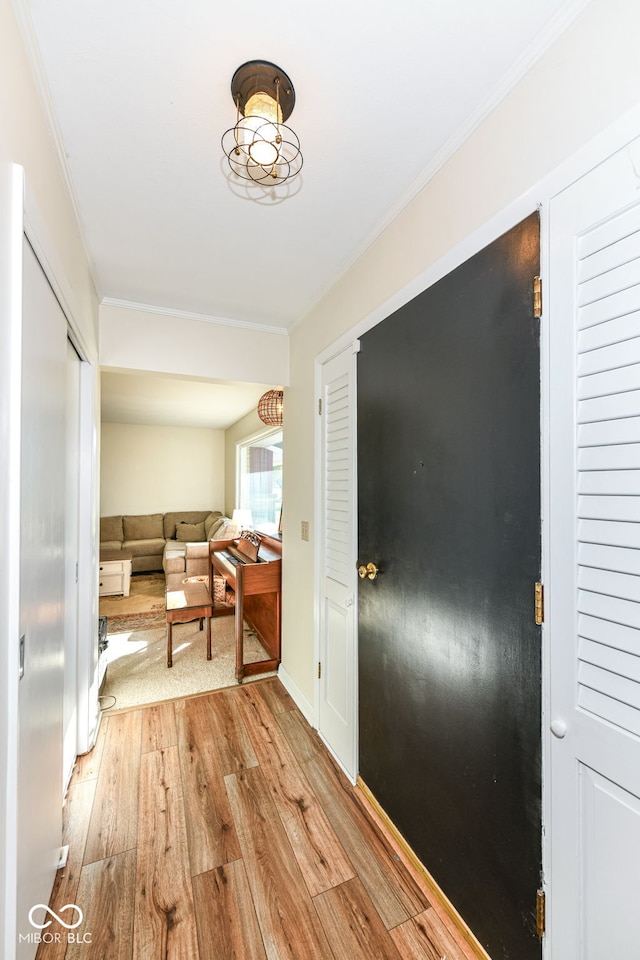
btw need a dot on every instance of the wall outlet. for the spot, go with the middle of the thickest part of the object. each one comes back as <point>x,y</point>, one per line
<point>304,529</point>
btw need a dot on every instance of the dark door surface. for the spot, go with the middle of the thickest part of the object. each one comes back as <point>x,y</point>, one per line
<point>449,654</point>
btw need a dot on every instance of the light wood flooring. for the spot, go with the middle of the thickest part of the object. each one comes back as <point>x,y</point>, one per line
<point>218,827</point>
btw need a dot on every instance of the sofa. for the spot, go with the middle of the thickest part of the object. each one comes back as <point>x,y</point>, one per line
<point>148,537</point>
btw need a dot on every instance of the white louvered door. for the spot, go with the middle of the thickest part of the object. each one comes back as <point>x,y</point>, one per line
<point>337,697</point>
<point>593,587</point>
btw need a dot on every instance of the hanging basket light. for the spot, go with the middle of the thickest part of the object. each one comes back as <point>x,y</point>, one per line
<point>260,147</point>
<point>270,407</point>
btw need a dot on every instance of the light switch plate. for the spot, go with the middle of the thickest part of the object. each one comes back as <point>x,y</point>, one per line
<point>304,529</point>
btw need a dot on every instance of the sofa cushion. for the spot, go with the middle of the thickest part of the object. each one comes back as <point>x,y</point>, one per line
<point>215,526</point>
<point>143,527</point>
<point>190,531</point>
<point>227,530</point>
<point>110,545</point>
<point>111,529</point>
<point>197,550</point>
<point>214,519</point>
<point>171,520</point>
<point>145,548</point>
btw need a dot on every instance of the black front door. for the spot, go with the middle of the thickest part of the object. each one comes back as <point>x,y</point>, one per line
<point>449,653</point>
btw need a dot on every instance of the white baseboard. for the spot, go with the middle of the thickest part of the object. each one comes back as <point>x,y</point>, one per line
<point>306,708</point>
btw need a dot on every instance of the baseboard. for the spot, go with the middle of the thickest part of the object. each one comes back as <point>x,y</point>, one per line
<point>411,859</point>
<point>292,688</point>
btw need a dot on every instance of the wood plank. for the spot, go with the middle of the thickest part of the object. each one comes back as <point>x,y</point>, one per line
<point>114,819</point>
<point>276,696</point>
<point>211,834</point>
<point>158,727</point>
<point>316,847</point>
<point>302,738</point>
<point>76,814</point>
<point>396,896</point>
<point>228,734</point>
<point>106,897</point>
<point>426,937</point>
<point>353,927</point>
<point>165,919</point>
<point>225,915</point>
<point>87,766</point>
<point>288,921</point>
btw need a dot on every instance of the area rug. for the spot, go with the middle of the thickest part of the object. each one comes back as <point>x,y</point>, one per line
<point>143,608</point>
<point>137,671</point>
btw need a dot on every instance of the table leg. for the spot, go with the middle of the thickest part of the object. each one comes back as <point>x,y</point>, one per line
<point>169,645</point>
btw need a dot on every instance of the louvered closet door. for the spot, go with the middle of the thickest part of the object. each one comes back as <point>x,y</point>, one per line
<point>593,610</point>
<point>338,680</point>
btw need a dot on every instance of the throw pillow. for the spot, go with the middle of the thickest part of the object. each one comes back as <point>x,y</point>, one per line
<point>190,532</point>
<point>210,522</point>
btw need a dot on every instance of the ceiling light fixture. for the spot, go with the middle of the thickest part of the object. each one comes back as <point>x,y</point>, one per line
<point>260,147</point>
<point>270,407</point>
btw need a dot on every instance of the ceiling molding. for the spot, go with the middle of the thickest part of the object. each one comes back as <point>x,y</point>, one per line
<point>536,49</point>
<point>186,315</point>
<point>32,48</point>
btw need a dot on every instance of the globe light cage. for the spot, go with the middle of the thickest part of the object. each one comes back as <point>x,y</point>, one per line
<point>270,406</point>
<point>260,147</point>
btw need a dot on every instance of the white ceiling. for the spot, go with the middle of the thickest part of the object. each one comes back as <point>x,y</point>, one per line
<point>156,400</point>
<point>140,91</point>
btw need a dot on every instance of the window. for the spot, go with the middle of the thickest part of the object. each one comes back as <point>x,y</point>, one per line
<point>260,480</point>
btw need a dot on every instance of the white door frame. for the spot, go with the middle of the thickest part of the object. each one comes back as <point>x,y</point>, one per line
<point>11,204</point>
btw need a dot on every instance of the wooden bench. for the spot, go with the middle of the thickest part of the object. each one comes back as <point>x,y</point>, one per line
<point>188,601</point>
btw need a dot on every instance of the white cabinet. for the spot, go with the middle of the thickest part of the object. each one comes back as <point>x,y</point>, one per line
<point>115,573</point>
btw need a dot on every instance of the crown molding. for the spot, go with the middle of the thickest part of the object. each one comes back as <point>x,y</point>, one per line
<point>186,315</point>
<point>542,41</point>
<point>34,57</point>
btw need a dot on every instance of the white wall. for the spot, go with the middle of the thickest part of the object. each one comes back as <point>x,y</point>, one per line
<point>586,80</point>
<point>25,140</point>
<point>172,343</point>
<point>160,469</point>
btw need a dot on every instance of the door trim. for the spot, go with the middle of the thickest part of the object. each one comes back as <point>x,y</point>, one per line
<point>10,403</point>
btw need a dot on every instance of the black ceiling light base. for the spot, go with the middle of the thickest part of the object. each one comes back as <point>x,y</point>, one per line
<point>260,147</point>
<point>261,76</point>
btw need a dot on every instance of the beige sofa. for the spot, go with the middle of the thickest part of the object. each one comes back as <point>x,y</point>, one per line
<point>146,536</point>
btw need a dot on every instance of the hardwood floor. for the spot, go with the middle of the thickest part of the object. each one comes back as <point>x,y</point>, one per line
<point>218,827</point>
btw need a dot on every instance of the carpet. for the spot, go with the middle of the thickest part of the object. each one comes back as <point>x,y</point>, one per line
<point>144,607</point>
<point>137,671</point>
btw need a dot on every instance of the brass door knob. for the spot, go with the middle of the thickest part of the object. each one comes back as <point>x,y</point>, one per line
<point>369,572</point>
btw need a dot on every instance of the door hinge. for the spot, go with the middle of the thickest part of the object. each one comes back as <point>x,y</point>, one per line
<point>538,603</point>
<point>320,407</point>
<point>537,298</point>
<point>540,913</point>
<point>319,670</point>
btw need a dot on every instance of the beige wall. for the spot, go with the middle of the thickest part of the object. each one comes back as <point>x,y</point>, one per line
<point>587,79</point>
<point>247,426</point>
<point>25,140</point>
<point>160,469</point>
<point>145,340</point>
